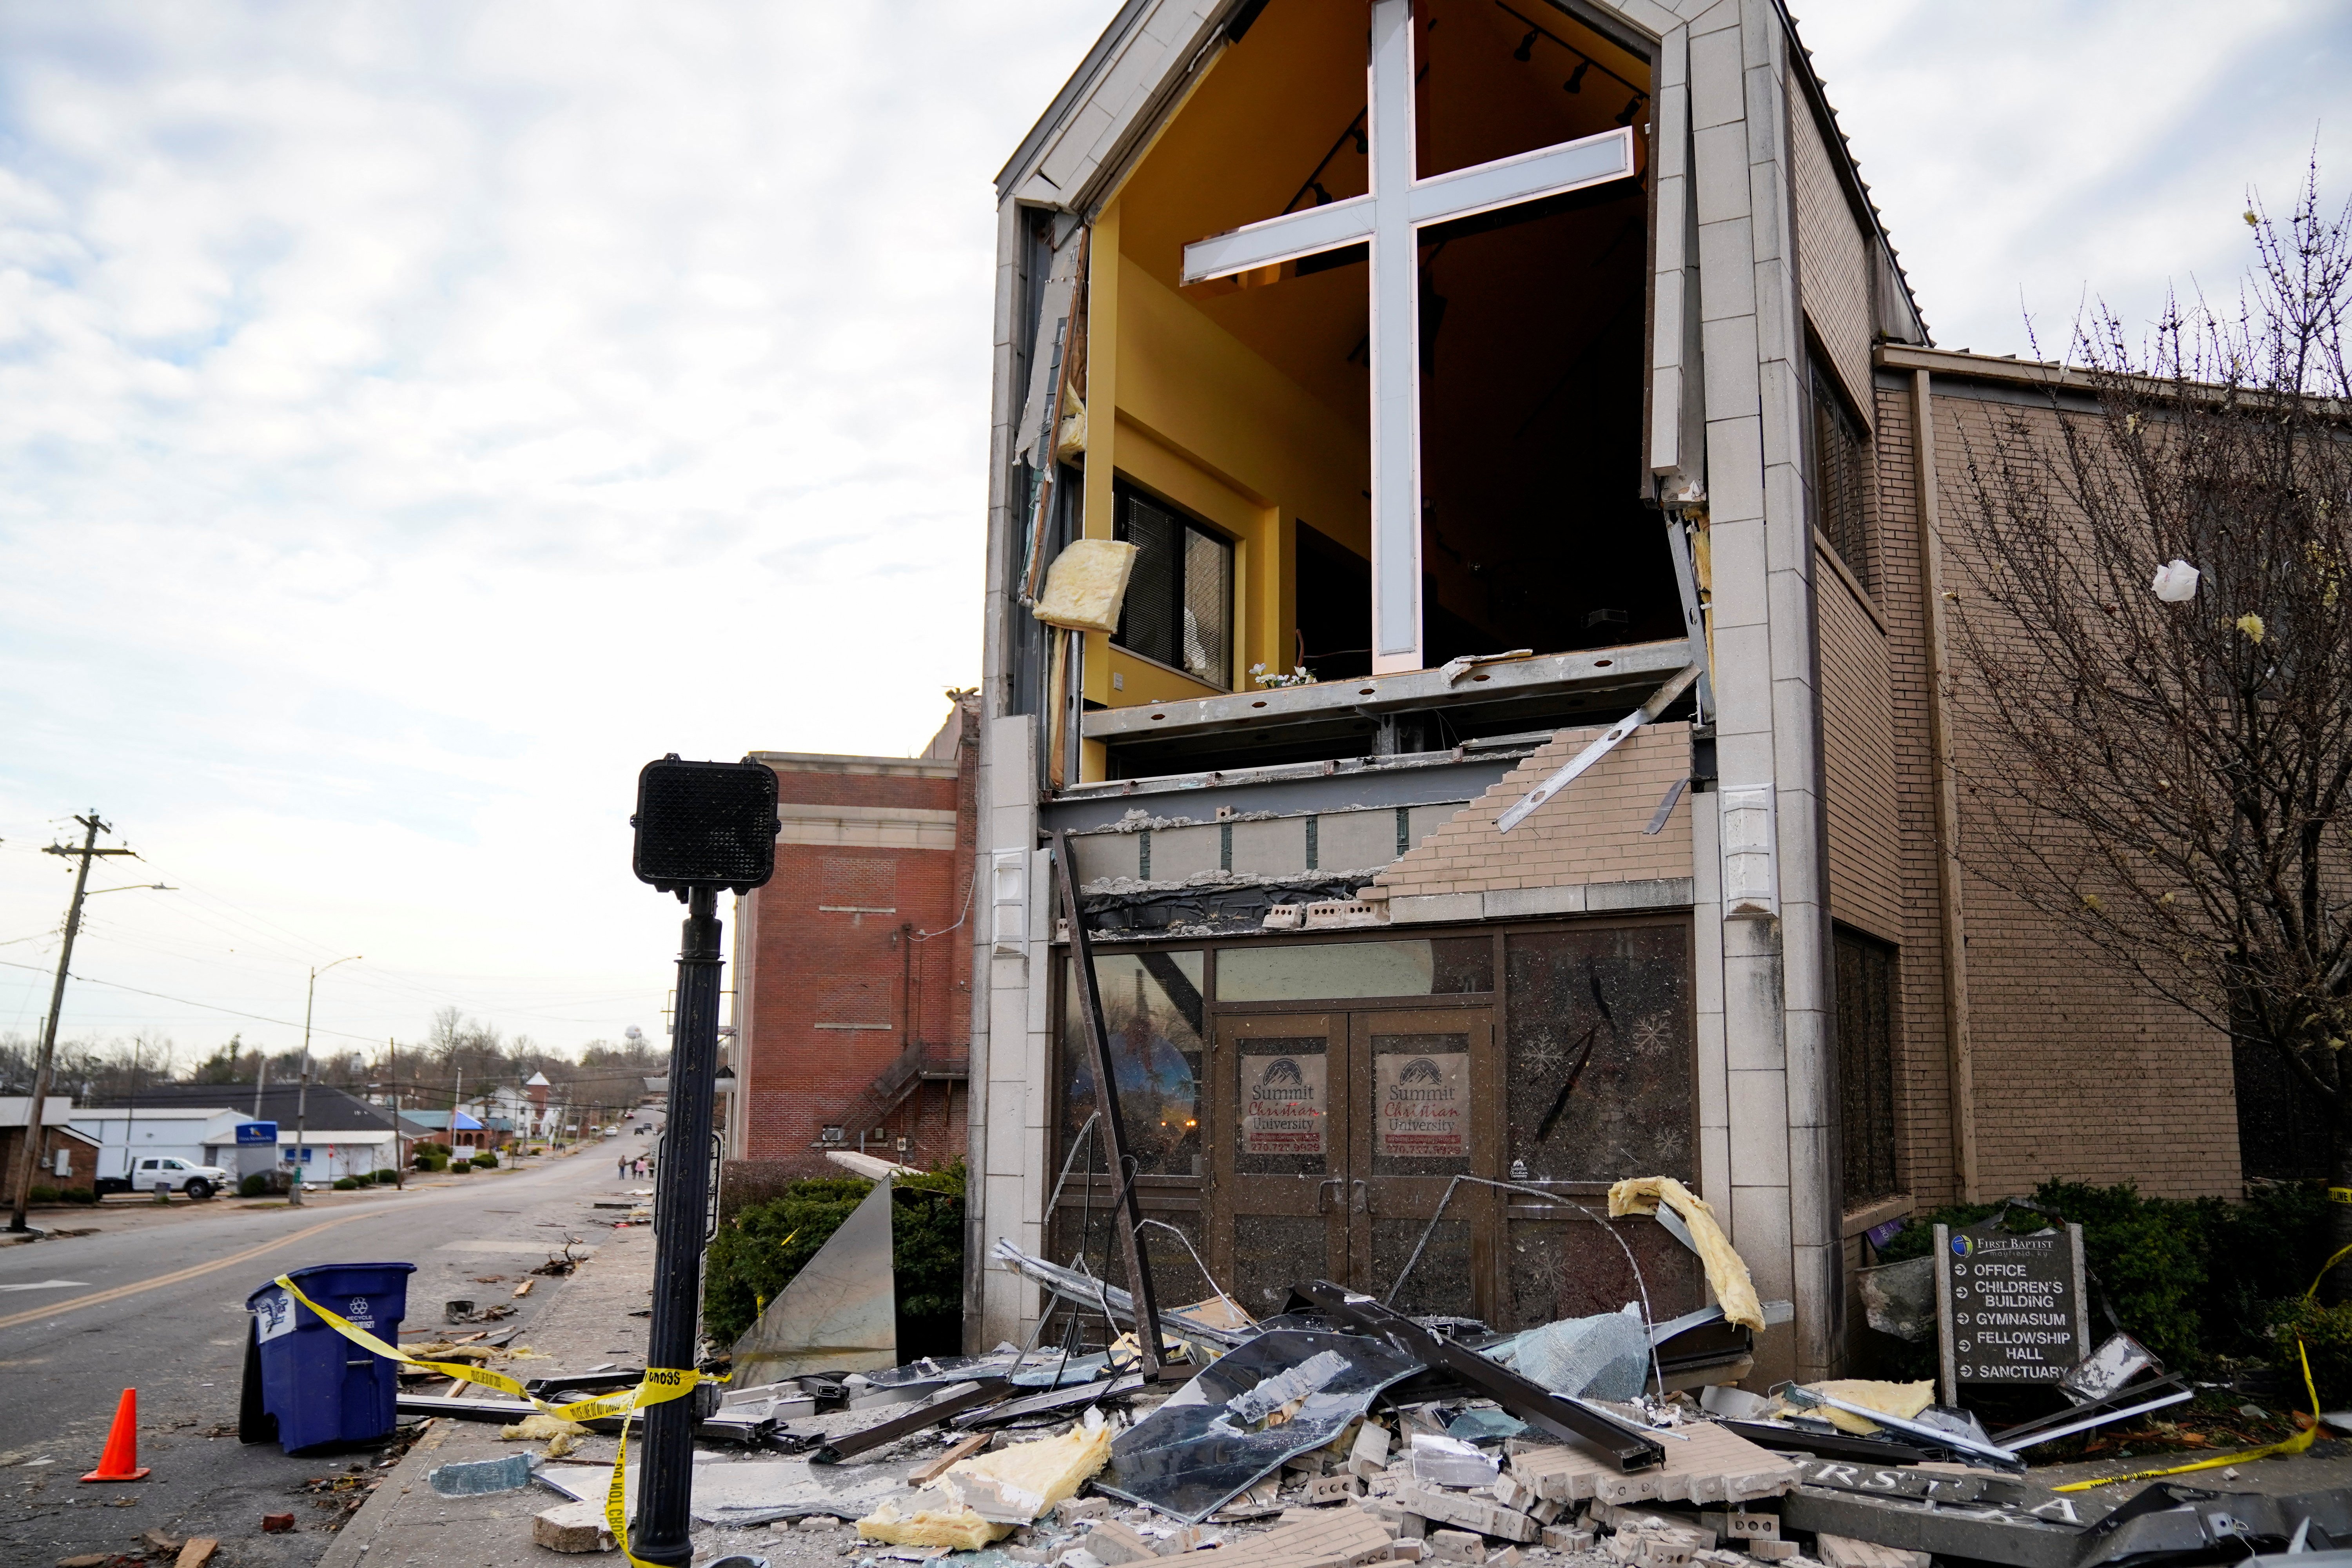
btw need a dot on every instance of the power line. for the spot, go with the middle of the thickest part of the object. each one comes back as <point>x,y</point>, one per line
<point>191,1002</point>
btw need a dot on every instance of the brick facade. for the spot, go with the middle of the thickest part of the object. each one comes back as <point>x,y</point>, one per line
<point>854,1004</point>
<point>1590,832</point>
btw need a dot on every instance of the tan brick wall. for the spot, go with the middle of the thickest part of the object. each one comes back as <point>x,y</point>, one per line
<point>2078,1072</point>
<point>1590,832</point>
<point>1858,758</point>
<point>1923,1089</point>
<point>1833,260</point>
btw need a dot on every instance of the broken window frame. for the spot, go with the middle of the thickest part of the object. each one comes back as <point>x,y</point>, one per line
<point>1178,1198</point>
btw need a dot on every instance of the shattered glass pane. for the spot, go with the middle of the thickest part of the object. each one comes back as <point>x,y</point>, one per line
<point>1570,1269</point>
<point>1441,1283</point>
<point>1273,1252</point>
<point>1600,1083</point>
<point>1190,1457</point>
<point>1152,1010</point>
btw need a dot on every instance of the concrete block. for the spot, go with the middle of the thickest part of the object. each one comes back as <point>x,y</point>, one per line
<point>1114,1543</point>
<point>1567,1539</point>
<point>574,1527</point>
<point>1070,1511</point>
<point>1370,1455</point>
<point>1343,1487</point>
<point>1760,1141</point>
<point>1273,848</point>
<point>1456,1546</point>
<point>1717,95</point>
<point>1772,1551</point>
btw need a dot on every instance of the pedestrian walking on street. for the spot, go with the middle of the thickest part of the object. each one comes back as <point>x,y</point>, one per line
<point>621,1166</point>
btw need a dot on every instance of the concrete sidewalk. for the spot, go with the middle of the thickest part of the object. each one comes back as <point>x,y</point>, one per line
<point>405,1523</point>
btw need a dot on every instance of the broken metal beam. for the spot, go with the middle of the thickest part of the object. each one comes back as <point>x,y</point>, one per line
<point>950,1401</point>
<point>1087,1290</point>
<point>1628,1446</point>
<point>1075,1397</point>
<point>1122,1167</point>
<point>1556,675</point>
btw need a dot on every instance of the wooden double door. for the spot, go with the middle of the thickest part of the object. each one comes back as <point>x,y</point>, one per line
<point>1337,1133</point>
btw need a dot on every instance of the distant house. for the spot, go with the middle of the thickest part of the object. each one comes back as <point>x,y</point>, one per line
<point>68,1159</point>
<point>464,1133</point>
<point>341,1135</point>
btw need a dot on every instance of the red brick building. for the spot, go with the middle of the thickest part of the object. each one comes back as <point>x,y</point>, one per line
<point>853,1007</point>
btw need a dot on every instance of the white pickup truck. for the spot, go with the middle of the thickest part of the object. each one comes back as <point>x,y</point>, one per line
<point>198,1182</point>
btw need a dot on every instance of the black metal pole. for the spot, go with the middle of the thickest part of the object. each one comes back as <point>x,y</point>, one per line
<point>1129,1215</point>
<point>681,1206</point>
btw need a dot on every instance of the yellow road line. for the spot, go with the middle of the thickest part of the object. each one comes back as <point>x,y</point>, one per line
<point>102,1297</point>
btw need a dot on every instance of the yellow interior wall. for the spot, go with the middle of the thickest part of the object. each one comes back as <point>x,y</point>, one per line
<point>1213,426</point>
<point>1177,402</point>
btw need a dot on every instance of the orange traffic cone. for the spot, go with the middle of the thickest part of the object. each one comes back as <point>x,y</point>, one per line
<point>121,1460</point>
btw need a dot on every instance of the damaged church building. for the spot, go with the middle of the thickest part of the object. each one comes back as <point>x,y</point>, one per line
<point>1465,591</point>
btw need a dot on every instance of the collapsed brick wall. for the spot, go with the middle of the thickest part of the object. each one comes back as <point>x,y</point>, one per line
<point>1590,832</point>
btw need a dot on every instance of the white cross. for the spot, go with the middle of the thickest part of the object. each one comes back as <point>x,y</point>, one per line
<point>1389,215</point>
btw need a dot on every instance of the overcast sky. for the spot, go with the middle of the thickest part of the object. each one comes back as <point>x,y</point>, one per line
<point>415,416</point>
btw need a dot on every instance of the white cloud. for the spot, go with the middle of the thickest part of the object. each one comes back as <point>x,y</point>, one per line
<point>416,416</point>
<point>2031,157</point>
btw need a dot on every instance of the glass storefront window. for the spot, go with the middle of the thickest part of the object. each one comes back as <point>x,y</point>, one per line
<point>1336,971</point>
<point>1153,1012</point>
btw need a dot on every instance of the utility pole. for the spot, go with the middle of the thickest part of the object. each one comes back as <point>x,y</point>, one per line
<point>30,1153</point>
<point>260,1082</point>
<point>302,1095</point>
<point>399,1156</point>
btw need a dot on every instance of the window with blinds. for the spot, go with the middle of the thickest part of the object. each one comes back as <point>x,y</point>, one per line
<point>1179,609</point>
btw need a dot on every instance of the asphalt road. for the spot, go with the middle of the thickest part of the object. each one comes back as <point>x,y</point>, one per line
<point>155,1301</point>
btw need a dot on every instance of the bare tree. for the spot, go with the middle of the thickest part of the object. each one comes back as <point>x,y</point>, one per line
<point>2166,775</point>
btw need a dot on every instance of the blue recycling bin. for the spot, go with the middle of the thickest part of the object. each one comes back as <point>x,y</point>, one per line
<point>305,1383</point>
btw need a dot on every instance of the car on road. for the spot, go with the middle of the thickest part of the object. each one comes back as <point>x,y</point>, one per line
<point>197,1181</point>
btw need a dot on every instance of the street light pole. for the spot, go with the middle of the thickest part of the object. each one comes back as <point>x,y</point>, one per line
<point>302,1095</point>
<point>26,1157</point>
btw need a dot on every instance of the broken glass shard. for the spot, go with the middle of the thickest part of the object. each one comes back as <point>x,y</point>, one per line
<point>1194,1453</point>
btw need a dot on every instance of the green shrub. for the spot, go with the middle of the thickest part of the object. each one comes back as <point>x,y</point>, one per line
<point>2325,1333</point>
<point>348,1184</point>
<point>756,1254</point>
<point>2193,1281</point>
<point>253,1186</point>
<point>487,1160</point>
<point>386,1178</point>
<point>458,1167</point>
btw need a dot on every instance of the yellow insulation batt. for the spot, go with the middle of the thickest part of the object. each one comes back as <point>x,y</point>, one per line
<point>1903,1399</point>
<point>1029,1477</point>
<point>1727,1275</point>
<point>1085,584</point>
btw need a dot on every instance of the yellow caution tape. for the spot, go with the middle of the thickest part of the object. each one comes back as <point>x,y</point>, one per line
<point>661,1384</point>
<point>2341,1254</point>
<point>2294,1445</point>
<point>2339,1195</point>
